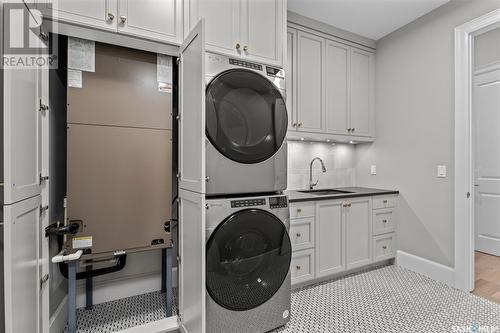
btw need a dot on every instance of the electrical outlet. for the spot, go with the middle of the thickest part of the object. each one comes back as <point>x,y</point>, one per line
<point>373,170</point>
<point>441,171</point>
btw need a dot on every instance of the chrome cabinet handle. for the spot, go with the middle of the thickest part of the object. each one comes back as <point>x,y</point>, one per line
<point>298,234</point>
<point>123,19</point>
<point>245,48</point>
<point>385,201</point>
<point>384,247</point>
<point>384,221</point>
<point>298,268</point>
<point>299,210</point>
<point>353,129</point>
<point>238,46</point>
<point>294,125</point>
<point>299,124</point>
<point>111,16</point>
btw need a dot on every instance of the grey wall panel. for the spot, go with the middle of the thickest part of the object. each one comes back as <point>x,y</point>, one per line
<point>487,48</point>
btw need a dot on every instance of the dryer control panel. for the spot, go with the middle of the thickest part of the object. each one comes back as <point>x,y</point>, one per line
<point>278,202</point>
<point>248,203</point>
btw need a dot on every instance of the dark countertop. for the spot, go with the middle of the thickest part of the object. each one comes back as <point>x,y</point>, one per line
<point>296,196</point>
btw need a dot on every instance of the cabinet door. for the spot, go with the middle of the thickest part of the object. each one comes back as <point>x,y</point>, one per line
<point>359,233</point>
<point>310,93</point>
<point>362,92</point>
<point>151,19</point>
<point>337,87</point>
<point>21,241</point>
<point>93,13</point>
<point>222,23</point>
<point>21,127</point>
<point>330,238</point>
<point>290,76</point>
<point>263,26</point>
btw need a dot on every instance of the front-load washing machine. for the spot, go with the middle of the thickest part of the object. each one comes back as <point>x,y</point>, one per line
<point>248,253</point>
<point>246,124</point>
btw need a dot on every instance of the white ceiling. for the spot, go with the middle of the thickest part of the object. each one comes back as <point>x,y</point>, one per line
<point>369,18</point>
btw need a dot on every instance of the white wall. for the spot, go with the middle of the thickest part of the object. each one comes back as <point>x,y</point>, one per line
<point>415,127</point>
<point>338,159</point>
<point>487,48</point>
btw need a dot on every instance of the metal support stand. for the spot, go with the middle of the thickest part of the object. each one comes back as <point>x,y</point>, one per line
<point>166,278</point>
<point>72,296</point>
<point>89,301</point>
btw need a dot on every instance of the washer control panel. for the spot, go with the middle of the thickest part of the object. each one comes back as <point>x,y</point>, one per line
<point>248,203</point>
<point>278,202</point>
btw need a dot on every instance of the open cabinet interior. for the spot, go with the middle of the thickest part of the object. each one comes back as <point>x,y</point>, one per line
<point>113,191</point>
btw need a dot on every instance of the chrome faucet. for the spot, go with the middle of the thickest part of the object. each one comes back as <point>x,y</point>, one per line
<point>311,184</point>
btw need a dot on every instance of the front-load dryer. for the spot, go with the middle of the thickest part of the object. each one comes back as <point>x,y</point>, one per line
<point>248,254</point>
<point>246,124</point>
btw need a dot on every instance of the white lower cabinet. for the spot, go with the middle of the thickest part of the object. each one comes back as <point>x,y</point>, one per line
<point>334,236</point>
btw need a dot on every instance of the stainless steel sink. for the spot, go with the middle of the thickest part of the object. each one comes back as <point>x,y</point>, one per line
<point>325,192</point>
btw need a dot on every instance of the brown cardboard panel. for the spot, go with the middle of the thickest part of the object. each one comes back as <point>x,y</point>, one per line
<point>119,184</point>
<point>123,91</point>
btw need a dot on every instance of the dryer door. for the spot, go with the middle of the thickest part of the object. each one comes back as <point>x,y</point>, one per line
<point>248,258</point>
<point>246,117</point>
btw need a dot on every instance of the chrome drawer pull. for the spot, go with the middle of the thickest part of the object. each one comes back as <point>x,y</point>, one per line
<point>384,247</point>
<point>384,221</point>
<point>298,234</point>
<point>298,268</point>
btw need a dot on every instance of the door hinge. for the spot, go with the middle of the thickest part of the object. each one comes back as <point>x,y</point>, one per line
<point>178,59</point>
<point>178,175</point>
<point>178,117</point>
<point>43,178</point>
<point>43,107</point>
<point>43,209</point>
<point>179,259</point>
<point>468,195</point>
<point>44,280</point>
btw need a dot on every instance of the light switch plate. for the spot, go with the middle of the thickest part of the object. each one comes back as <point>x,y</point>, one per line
<point>441,171</point>
<point>373,170</point>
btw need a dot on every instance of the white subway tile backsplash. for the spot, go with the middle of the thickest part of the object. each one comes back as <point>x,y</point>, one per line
<point>338,159</point>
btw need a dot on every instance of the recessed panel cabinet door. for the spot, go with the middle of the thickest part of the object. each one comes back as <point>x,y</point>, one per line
<point>152,19</point>
<point>223,24</point>
<point>337,87</point>
<point>310,95</point>
<point>21,134</point>
<point>330,238</point>
<point>290,75</point>
<point>359,233</point>
<point>192,111</point>
<point>95,13</point>
<point>262,30</point>
<point>362,92</point>
<point>21,269</point>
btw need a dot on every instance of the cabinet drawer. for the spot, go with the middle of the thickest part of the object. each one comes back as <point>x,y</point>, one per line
<point>302,233</point>
<point>302,266</point>
<point>301,209</point>
<point>384,247</point>
<point>383,221</point>
<point>384,202</point>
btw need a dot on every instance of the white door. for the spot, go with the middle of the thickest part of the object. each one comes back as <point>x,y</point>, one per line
<point>290,76</point>
<point>310,83</point>
<point>192,111</point>
<point>192,261</point>
<point>330,238</point>
<point>223,26</point>
<point>359,232</point>
<point>337,87</point>
<point>21,134</point>
<point>362,92</point>
<point>487,190</point>
<point>151,19</point>
<point>100,14</point>
<point>21,266</point>
<point>262,28</point>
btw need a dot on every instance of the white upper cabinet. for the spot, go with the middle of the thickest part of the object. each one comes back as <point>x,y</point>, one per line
<point>93,13</point>
<point>159,20</point>
<point>251,29</point>
<point>290,65</point>
<point>337,63</point>
<point>310,83</point>
<point>154,19</point>
<point>362,92</point>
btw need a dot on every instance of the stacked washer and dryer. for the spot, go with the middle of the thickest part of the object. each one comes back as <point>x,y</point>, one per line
<point>248,249</point>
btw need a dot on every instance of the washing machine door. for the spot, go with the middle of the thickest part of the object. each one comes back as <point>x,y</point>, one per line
<point>246,117</point>
<point>248,258</point>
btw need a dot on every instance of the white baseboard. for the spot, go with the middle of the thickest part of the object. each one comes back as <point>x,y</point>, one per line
<point>431,269</point>
<point>59,318</point>
<point>111,290</point>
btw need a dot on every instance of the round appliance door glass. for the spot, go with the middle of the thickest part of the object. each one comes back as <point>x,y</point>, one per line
<point>248,257</point>
<point>246,117</point>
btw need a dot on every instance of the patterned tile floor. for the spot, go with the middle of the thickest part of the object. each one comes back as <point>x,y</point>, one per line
<point>389,299</point>
<point>123,313</point>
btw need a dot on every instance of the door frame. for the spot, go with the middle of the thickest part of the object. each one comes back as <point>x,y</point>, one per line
<point>464,158</point>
